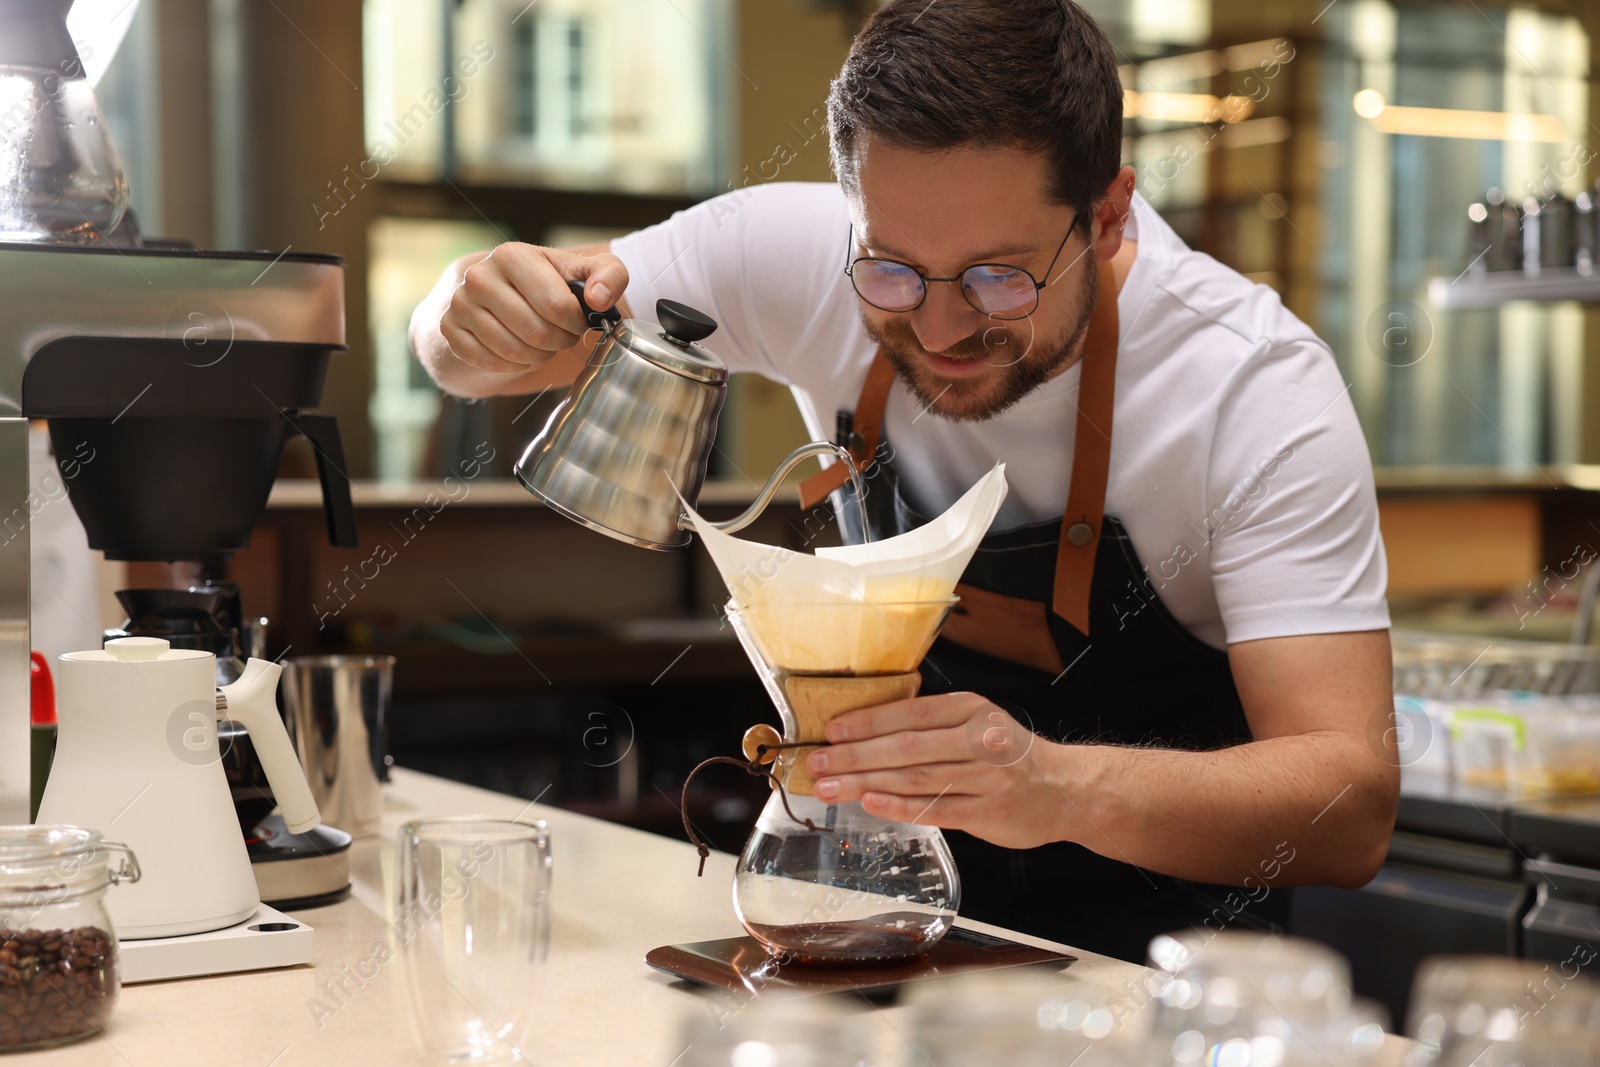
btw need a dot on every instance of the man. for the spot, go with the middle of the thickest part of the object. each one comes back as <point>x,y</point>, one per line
<point>1166,691</point>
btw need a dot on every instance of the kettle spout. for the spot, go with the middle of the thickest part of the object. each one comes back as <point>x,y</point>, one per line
<point>252,700</point>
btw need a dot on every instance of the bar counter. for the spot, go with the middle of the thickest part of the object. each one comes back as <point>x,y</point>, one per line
<point>618,893</point>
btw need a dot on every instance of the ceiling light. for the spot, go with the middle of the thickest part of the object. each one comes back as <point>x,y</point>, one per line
<point>1472,125</point>
<point>1186,107</point>
<point>1369,103</point>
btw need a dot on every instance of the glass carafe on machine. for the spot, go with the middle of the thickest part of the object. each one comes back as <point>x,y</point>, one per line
<point>60,178</point>
<point>832,883</point>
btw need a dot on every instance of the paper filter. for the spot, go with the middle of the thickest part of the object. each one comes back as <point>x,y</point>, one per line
<point>860,609</point>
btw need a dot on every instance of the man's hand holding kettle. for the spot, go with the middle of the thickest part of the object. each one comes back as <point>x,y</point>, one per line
<point>506,322</point>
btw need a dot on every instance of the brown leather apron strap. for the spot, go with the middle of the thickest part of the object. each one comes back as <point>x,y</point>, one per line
<point>1091,459</point>
<point>1011,628</point>
<point>870,406</point>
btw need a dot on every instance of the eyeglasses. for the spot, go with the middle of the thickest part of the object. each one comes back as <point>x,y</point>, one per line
<point>998,290</point>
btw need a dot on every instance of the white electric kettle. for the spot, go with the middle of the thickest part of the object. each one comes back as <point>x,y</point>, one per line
<point>137,758</point>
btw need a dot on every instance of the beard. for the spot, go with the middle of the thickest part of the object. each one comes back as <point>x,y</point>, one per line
<point>1019,359</point>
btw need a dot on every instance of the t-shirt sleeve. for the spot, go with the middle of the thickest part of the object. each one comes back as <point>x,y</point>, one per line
<point>753,259</point>
<point>1296,547</point>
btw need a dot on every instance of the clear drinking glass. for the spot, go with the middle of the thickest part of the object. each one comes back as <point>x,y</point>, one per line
<point>473,925</point>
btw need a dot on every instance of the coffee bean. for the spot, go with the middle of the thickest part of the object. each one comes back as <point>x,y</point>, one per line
<point>55,985</point>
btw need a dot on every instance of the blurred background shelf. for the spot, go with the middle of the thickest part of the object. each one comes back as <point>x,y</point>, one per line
<point>1491,290</point>
<point>531,658</point>
<point>305,494</point>
<point>1456,477</point>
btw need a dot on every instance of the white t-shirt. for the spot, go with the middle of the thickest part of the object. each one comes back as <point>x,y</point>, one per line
<point>1237,467</point>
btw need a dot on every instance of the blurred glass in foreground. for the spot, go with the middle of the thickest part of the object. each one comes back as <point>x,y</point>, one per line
<point>1486,1011</point>
<point>814,1032</point>
<point>1021,1018</point>
<point>1230,999</point>
<point>1253,1000</point>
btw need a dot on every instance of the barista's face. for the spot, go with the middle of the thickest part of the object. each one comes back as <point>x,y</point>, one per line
<point>943,212</point>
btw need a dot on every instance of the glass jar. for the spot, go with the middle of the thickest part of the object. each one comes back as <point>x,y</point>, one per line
<point>58,952</point>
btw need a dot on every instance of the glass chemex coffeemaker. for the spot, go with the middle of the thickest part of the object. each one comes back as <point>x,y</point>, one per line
<point>625,454</point>
<point>832,883</point>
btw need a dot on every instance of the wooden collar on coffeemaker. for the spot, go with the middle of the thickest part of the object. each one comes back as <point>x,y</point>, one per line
<point>1091,461</point>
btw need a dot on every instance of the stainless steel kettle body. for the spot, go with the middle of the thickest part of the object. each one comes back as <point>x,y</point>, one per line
<point>635,433</point>
<point>637,425</point>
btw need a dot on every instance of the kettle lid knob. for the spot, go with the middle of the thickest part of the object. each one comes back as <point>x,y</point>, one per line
<point>138,648</point>
<point>682,323</point>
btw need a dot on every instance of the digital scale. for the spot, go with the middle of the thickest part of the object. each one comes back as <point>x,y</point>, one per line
<point>742,965</point>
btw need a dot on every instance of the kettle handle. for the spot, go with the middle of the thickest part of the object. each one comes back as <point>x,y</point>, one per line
<point>252,701</point>
<point>597,320</point>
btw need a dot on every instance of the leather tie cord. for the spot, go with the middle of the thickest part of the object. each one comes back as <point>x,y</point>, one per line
<point>760,770</point>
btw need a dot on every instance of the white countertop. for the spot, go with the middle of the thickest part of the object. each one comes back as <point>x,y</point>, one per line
<point>618,893</point>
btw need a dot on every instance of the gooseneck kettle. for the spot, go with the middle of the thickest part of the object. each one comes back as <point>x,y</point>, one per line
<point>137,757</point>
<point>630,443</point>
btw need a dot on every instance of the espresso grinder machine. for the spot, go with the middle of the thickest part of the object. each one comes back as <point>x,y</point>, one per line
<point>170,379</point>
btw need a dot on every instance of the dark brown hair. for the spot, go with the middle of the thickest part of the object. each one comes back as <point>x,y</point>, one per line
<point>1032,74</point>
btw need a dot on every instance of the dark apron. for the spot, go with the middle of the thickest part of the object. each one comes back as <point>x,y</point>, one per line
<point>1138,678</point>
